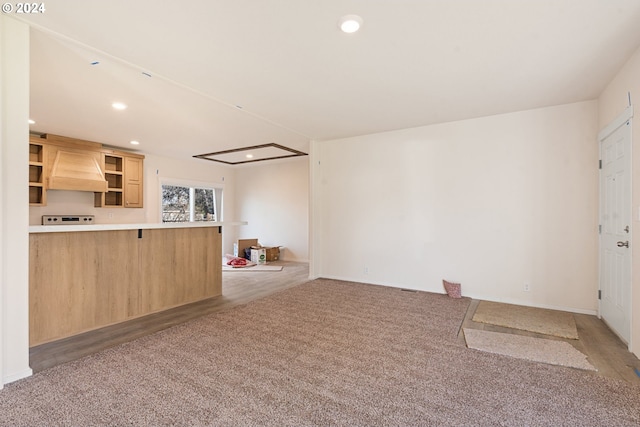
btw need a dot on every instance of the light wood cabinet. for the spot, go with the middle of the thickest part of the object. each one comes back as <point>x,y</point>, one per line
<point>133,168</point>
<point>114,174</point>
<point>124,174</point>
<point>37,192</point>
<point>122,171</point>
<point>106,277</point>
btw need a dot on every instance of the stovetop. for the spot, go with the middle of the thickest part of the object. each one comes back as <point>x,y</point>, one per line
<point>68,219</point>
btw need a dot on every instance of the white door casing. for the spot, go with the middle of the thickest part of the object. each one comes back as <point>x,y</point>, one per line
<point>615,225</point>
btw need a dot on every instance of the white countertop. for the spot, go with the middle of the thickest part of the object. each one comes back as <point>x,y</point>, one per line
<point>108,227</point>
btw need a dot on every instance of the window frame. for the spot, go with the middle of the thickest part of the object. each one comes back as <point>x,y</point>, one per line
<point>192,185</point>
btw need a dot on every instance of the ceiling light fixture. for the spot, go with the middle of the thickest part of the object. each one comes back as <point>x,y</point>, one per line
<point>134,142</point>
<point>350,23</point>
<point>249,156</point>
<point>32,122</point>
<point>119,106</point>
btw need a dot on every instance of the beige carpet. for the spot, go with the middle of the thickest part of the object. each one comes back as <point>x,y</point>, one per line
<point>540,320</point>
<point>324,353</point>
<point>529,348</point>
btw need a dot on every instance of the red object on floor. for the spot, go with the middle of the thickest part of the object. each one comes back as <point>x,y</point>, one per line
<point>454,290</point>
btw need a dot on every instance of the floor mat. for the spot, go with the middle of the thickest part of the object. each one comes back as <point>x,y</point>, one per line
<point>529,348</point>
<point>540,320</point>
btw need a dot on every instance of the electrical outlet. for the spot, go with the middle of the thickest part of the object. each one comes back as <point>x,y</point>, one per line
<point>366,269</point>
<point>110,215</point>
<point>527,286</point>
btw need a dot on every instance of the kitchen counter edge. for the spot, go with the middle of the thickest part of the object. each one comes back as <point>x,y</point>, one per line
<point>143,226</point>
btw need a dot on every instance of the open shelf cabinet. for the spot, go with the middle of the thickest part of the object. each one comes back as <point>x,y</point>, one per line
<point>114,174</point>
<point>37,193</point>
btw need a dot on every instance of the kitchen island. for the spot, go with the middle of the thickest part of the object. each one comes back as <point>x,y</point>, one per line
<point>84,277</point>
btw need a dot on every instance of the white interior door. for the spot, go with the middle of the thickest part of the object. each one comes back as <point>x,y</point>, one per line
<point>615,225</point>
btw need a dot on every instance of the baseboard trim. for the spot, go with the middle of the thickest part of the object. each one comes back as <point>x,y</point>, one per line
<point>17,376</point>
<point>477,297</point>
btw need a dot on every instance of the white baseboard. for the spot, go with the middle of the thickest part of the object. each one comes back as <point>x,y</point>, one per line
<point>536,305</point>
<point>17,376</point>
<point>477,297</point>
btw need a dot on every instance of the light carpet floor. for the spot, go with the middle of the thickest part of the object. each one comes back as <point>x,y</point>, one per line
<point>540,320</point>
<point>529,348</point>
<point>322,353</point>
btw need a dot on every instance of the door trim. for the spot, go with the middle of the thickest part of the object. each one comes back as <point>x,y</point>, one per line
<point>616,123</point>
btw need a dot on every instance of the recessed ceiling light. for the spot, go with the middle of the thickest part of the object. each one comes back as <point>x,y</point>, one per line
<point>350,23</point>
<point>119,106</point>
<point>32,122</point>
<point>134,142</point>
<point>249,156</point>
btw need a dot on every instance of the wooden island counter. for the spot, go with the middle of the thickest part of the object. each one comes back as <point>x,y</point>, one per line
<point>84,277</point>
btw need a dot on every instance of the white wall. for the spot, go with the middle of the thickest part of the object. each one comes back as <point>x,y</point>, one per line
<point>14,200</point>
<point>274,198</point>
<point>612,102</point>
<point>493,203</point>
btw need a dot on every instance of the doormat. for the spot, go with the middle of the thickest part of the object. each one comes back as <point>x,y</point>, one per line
<point>544,321</point>
<point>253,268</point>
<point>529,348</point>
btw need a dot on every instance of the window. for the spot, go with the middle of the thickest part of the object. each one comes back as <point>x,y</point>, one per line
<point>182,203</point>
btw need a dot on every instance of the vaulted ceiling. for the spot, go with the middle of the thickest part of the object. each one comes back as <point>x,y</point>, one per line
<point>211,75</point>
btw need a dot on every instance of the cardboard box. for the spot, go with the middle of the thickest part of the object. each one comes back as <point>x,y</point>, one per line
<point>241,245</point>
<point>273,254</point>
<point>259,255</point>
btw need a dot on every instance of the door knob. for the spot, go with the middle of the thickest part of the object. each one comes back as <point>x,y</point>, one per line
<point>621,244</point>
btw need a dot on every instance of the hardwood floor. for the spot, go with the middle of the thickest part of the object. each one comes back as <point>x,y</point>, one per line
<point>238,287</point>
<point>604,350</point>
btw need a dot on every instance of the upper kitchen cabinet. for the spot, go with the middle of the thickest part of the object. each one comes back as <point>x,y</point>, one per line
<point>133,168</point>
<point>114,174</point>
<point>62,163</point>
<point>123,172</point>
<point>37,193</point>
